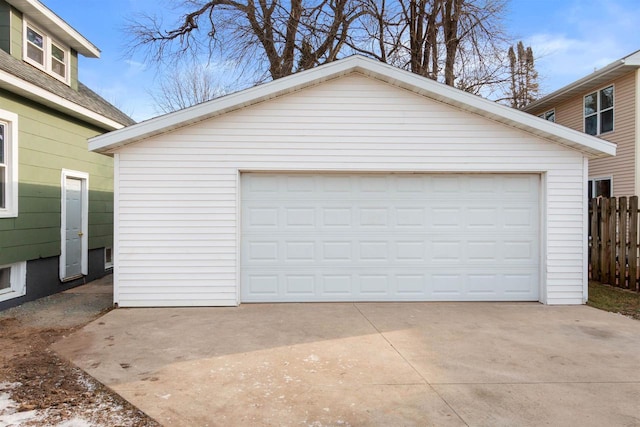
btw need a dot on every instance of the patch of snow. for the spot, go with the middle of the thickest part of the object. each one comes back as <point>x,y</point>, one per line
<point>75,422</point>
<point>9,415</point>
<point>86,383</point>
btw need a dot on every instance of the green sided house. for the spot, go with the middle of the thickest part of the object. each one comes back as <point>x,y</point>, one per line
<point>56,197</point>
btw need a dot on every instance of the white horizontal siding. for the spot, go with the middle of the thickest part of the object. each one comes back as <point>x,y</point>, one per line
<point>178,193</point>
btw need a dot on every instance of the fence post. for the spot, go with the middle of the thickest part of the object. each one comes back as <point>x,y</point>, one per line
<point>612,237</point>
<point>596,246</point>
<point>633,243</point>
<point>622,242</point>
<point>604,240</point>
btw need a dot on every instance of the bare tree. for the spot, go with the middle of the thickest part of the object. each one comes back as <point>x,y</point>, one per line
<point>183,87</point>
<point>275,37</point>
<point>458,42</point>
<point>523,84</point>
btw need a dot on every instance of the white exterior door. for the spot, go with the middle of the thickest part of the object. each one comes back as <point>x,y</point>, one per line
<point>391,237</point>
<point>73,259</point>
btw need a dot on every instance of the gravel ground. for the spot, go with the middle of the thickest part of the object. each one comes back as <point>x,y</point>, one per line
<point>39,388</point>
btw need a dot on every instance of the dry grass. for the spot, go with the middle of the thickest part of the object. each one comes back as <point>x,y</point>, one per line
<point>613,299</point>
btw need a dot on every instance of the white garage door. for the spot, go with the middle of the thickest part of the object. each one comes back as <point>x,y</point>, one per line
<point>391,237</point>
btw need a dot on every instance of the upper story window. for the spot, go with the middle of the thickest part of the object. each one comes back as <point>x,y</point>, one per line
<point>8,164</point>
<point>549,115</point>
<point>45,53</point>
<point>598,111</point>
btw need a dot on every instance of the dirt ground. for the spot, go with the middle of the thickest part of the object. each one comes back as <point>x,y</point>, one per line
<point>39,388</point>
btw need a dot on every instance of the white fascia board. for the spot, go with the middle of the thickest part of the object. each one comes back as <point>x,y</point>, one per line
<point>28,90</point>
<point>216,107</point>
<point>594,147</point>
<point>581,85</point>
<point>56,26</point>
<point>607,73</point>
<point>465,101</point>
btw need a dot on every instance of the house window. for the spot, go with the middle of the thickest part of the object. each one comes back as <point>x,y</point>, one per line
<point>13,280</point>
<point>3,164</point>
<point>600,187</point>
<point>43,52</point>
<point>8,164</point>
<point>108,258</point>
<point>35,46</point>
<point>598,111</point>
<point>549,115</point>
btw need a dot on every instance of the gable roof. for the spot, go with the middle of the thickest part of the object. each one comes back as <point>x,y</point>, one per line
<point>593,147</point>
<point>25,80</point>
<point>587,84</point>
<point>56,26</point>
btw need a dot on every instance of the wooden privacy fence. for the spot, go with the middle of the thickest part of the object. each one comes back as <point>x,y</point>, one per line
<point>613,241</point>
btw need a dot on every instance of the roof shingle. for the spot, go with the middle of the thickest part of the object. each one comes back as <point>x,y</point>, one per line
<point>84,96</point>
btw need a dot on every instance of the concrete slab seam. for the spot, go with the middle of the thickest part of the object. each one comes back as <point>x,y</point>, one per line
<point>355,305</point>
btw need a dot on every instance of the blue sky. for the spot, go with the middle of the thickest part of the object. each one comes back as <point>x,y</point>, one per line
<point>570,38</point>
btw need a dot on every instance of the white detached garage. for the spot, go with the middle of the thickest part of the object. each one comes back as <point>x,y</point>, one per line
<point>354,181</point>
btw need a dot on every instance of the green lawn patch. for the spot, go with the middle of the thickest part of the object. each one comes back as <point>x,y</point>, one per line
<point>616,300</point>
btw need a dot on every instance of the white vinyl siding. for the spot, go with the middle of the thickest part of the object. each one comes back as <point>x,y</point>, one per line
<point>177,205</point>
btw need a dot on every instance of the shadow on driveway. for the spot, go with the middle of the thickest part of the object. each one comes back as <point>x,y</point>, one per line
<point>368,364</point>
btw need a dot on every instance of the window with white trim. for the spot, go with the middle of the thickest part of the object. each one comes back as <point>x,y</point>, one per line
<point>108,258</point>
<point>8,164</point>
<point>598,111</point>
<point>600,187</point>
<point>4,141</point>
<point>13,278</point>
<point>549,115</point>
<point>41,51</point>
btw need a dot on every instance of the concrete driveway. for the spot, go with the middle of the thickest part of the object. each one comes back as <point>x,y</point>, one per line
<point>386,364</point>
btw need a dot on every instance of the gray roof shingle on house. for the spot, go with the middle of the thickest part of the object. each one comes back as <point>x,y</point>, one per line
<point>84,96</point>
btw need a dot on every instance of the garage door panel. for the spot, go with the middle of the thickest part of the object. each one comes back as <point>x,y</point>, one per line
<point>403,218</point>
<point>397,285</point>
<point>382,285</point>
<point>390,250</point>
<point>389,237</point>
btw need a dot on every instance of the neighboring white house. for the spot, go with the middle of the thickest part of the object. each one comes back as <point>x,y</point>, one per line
<point>354,181</point>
